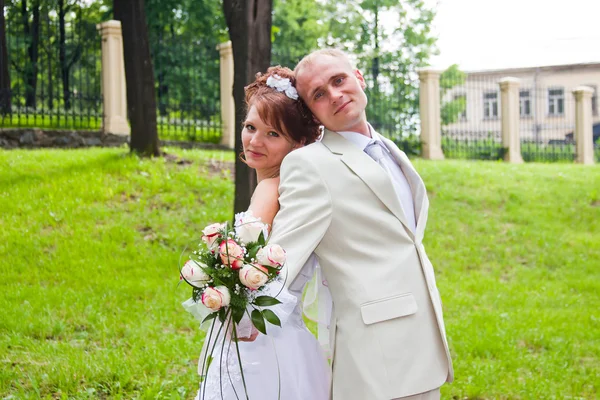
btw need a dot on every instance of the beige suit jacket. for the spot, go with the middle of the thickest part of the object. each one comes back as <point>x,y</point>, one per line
<point>388,332</point>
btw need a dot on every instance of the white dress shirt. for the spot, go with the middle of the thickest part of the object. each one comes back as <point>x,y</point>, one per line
<point>401,185</point>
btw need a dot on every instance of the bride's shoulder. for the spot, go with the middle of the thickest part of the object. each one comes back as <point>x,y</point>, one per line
<point>268,187</point>
<point>265,200</point>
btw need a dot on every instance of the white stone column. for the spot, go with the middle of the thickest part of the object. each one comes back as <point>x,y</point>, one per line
<point>429,107</point>
<point>227,102</point>
<point>114,89</point>
<point>509,103</point>
<point>584,138</point>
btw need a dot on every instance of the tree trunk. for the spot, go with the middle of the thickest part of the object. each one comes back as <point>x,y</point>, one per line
<point>141,96</point>
<point>5,101</point>
<point>249,23</point>
<point>62,55</point>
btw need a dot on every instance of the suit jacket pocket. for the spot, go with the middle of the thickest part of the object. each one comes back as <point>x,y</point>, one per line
<point>388,308</point>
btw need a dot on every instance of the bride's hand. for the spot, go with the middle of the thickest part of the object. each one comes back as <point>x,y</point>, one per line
<point>251,338</point>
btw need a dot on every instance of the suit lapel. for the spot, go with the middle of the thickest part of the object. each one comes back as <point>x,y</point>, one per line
<point>368,171</point>
<point>416,184</point>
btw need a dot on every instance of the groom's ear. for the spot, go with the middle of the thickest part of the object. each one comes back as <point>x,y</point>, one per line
<point>360,78</point>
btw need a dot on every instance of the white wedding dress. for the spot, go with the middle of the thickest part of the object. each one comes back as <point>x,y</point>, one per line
<point>288,363</point>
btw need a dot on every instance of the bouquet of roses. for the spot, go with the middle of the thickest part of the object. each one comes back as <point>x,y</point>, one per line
<point>231,267</point>
<point>228,272</point>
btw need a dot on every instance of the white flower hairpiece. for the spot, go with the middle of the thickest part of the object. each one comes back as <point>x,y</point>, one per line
<point>282,85</point>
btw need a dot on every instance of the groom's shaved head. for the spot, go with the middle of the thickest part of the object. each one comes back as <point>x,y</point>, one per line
<point>334,53</point>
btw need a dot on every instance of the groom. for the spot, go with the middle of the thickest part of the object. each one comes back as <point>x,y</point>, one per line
<point>355,200</point>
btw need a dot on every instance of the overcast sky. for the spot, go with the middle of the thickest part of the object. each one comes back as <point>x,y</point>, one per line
<point>489,34</point>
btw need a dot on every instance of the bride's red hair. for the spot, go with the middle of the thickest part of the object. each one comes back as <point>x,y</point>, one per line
<point>289,117</point>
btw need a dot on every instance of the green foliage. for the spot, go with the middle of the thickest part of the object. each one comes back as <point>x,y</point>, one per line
<point>390,71</point>
<point>184,35</point>
<point>452,108</point>
<point>80,61</point>
<point>490,149</point>
<point>259,321</point>
<point>265,301</point>
<point>296,30</point>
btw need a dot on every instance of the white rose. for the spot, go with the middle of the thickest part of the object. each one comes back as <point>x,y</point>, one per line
<point>194,274</point>
<point>215,298</point>
<point>272,255</point>
<point>248,227</point>
<point>253,276</point>
<point>210,235</point>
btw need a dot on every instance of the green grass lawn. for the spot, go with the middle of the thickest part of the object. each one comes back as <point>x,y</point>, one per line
<point>90,241</point>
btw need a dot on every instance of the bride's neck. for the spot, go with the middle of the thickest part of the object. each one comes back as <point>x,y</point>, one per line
<point>263,174</point>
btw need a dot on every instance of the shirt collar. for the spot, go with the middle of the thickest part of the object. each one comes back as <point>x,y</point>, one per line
<point>360,140</point>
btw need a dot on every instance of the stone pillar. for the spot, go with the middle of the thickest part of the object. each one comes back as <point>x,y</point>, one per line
<point>114,89</point>
<point>429,106</point>
<point>584,138</point>
<point>509,101</point>
<point>227,102</point>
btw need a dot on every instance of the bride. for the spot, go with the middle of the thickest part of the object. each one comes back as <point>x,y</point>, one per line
<point>288,363</point>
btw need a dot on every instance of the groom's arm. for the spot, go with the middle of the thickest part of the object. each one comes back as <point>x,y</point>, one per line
<point>305,211</point>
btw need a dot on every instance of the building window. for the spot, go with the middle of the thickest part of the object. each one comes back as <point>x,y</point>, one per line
<point>525,103</point>
<point>556,101</point>
<point>594,99</point>
<point>490,105</point>
<point>461,104</point>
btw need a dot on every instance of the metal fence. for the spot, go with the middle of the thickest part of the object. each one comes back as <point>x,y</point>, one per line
<point>471,119</point>
<point>547,124</point>
<point>187,81</point>
<point>55,59</point>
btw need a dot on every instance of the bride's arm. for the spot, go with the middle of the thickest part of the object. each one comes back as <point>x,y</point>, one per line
<point>264,205</point>
<point>265,200</point>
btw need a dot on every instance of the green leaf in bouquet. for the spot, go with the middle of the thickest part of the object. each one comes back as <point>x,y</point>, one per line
<point>272,270</point>
<point>222,314</point>
<point>259,321</point>
<point>238,314</point>
<point>261,238</point>
<point>271,317</point>
<point>209,317</point>
<point>265,301</point>
<point>197,294</point>
<point>252,250</point>
<point>209,361</point>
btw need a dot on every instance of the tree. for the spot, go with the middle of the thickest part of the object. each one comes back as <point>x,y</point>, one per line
<point>249,23</point>
<point>141,96</point>
<point>183,39</point>
<point>5,103</point>
<point>297,29</point>
<point>452,108</point>
<point>390,71</point>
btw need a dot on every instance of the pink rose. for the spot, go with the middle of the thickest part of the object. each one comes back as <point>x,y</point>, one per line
<point>272,255</point>
<point>215,298</point>
<point>253,276</point>
<point>231,254</point>
<point>211,234</point>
